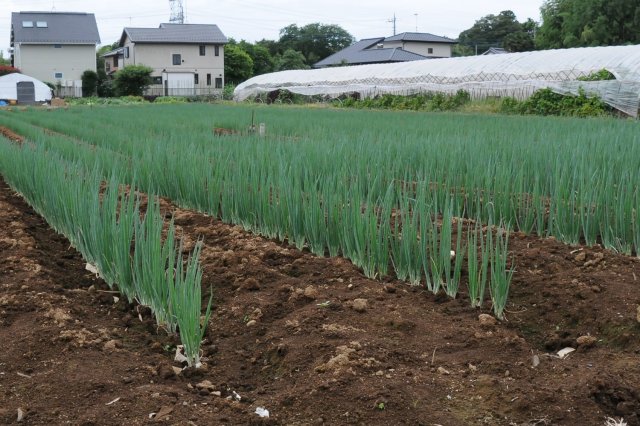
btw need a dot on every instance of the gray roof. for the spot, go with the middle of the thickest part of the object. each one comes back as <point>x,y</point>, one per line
<point>495,51</point>
<point>176,33</point>
<point>116,52</point>
<point>61,28</point>
<point>423,37</point>
<point>366,52</point>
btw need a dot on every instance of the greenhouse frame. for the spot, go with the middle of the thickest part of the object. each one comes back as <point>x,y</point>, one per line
<point>516,75</point>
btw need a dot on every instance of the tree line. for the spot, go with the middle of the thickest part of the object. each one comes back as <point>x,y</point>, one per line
<point>564,24</point>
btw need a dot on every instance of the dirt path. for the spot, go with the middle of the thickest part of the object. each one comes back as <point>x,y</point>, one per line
<point>313,341</point>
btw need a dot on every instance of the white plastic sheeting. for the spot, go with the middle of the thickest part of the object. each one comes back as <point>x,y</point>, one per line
<point>516,74</point>
<point>9,87</point>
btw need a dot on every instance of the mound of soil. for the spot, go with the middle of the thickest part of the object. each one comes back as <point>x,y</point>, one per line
<point>313,341</point>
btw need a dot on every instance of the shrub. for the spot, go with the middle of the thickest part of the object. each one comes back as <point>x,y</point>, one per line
<point>89,83</point>
<point>171,100</point>
<point>547,102</point>
<point>227,92</point>
<point>421,101</point>
<point>7,69</point>
<point>132,80</point>
<point>598,76</point>
<point>106,89</point>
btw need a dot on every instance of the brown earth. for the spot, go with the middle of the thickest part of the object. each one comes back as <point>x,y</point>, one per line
<point>11,135</point>
<point>313,341</point>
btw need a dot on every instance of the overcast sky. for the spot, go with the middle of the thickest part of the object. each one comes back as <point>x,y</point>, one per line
<point>254,20</point>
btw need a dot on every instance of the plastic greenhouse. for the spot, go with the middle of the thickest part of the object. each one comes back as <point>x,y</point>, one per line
<point>517,75</point>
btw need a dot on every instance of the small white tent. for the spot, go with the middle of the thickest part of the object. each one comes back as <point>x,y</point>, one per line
<point>23,89</point>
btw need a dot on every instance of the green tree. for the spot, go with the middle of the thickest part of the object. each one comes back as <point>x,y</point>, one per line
<point>291,60</point>
<point>4,61</point>
<point>314,41</point>
<point>502,30</point>
<point>263,62</point>
<point>89,83</point>
<point>580,23</point>
<point>104,84</point>
<point>273,46</point>
<point>132,80</point>
<point>238,65</point>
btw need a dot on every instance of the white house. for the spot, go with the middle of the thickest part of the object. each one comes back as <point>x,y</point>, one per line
<point>55,47</point>
<point>187,59</point>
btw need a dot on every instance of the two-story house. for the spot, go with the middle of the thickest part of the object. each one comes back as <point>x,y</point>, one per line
<point>398,48</point>
<point>55,47</point>
<point>113,60</point>
<point>187,59</point>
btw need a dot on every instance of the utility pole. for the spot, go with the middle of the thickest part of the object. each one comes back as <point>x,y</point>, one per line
<point>394,23</point>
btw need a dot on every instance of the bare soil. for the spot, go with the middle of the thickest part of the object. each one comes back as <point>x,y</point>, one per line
<point>313,341</point>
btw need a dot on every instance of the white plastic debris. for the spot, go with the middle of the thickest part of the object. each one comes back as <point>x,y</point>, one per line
<point>20,415</point>
<point>180,354</point>
<point>236,396</point>
<point>610,421</point>
<point>535,360</point>
<point>262,412</point>
<point>91,268</point>
<point>453,254</point>
<point>113,402</point>
<point>562,354</point>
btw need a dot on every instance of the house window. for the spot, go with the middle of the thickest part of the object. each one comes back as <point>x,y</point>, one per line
<point>41,24</point>
<point>195,78</point>
<point>430,50</point>
<point>202,50</point>
<point>218,82</point>
<point>156,80</point>
<point>27,24</point>
<point>208,79</point>
<point>57,75</point>
<point>126,52</point>
<point>217,50</point>
<point>57,46</point>
<point>177,59</point>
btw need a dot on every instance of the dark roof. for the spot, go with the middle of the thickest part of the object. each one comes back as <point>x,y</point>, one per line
<point>422,37</point>
<point>495,51</point>
<point>176,33</point>
<point>118,51</point>
<point>61,27</point>
<point>366,52</point>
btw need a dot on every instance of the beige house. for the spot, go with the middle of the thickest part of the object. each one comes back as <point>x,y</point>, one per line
<point>398,48</point>
<point>55,47</point>
<point>113,60</point>
<point>187,59</point>
<point>425,44</point>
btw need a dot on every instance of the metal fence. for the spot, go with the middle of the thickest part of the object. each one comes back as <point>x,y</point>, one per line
<point>183,90</point>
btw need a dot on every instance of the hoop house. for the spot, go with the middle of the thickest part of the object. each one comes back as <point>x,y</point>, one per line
<point>517,75</point>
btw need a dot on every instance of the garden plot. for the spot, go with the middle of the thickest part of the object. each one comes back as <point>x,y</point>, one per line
<point>290,328</point>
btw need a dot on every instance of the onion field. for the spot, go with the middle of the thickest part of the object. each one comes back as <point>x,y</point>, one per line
<point>433,200</point>
<point>387,191</point>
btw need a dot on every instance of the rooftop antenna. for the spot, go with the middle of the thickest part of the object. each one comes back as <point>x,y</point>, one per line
<point>416,15</point>
<point>394,23</point>
<point>177,12</point>
<point>53,6</point>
